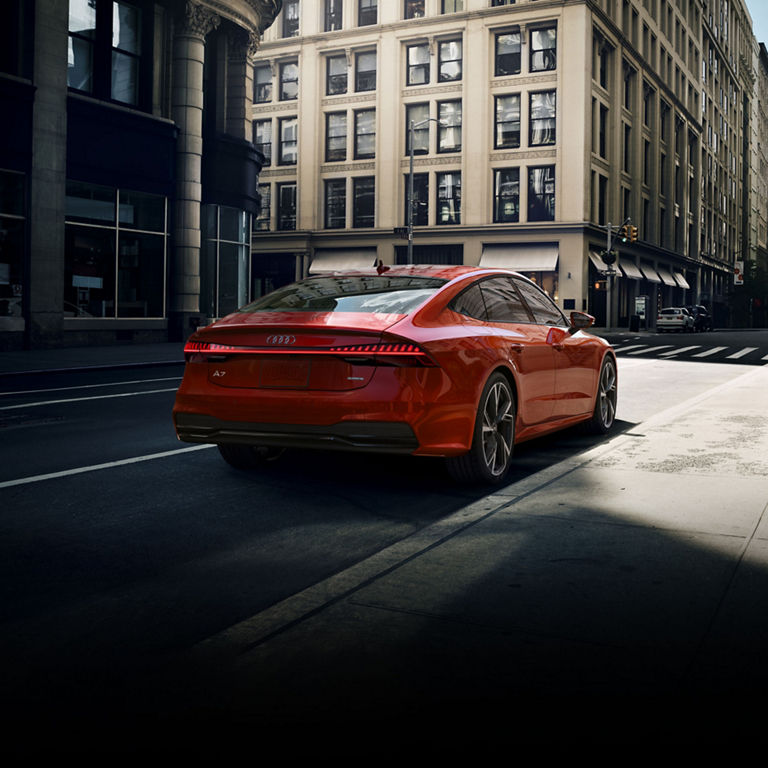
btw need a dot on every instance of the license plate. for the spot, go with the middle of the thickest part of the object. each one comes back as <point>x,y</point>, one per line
<point>285,373</point>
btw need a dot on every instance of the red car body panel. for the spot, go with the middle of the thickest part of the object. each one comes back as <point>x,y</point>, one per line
<point>282,371</point>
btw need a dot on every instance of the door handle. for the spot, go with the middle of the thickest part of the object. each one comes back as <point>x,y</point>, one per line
<point>515,347</point>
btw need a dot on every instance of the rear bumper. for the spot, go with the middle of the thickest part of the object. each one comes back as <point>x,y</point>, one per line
<point>381,437</point>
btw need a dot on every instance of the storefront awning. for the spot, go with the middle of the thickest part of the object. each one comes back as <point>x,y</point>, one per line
<point>666,277</point>
<point>521,258</point>
<point>339,259</point>
<point>629,268</point>
<point>681,281</point>
<point>649,273</point>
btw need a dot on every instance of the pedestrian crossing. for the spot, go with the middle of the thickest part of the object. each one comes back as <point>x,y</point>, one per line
<point>698,352</point>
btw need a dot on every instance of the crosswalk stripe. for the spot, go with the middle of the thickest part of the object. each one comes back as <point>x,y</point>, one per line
<point>709,352</point>
<point>650,349</point>
<point>741,353</point>
<point>631,346</point>
<point>679,351</point>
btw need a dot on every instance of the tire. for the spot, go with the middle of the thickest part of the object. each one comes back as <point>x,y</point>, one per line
<point>249,456</point>
<point>489,458</point>
<point>605,402</point>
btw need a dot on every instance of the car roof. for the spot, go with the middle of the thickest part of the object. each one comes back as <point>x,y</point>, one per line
<point>443,271</point>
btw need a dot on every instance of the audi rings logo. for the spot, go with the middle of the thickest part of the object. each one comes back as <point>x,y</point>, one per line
<point>281,340</point>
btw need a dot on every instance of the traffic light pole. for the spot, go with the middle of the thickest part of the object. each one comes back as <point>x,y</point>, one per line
<point>627,232</point>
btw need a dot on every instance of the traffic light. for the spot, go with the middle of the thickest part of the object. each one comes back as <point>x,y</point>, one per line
<point>623,233</point>
<point>632,233</point>
<point>608,257</point>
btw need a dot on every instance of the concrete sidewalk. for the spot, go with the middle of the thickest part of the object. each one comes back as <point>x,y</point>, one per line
<point>626,586</point>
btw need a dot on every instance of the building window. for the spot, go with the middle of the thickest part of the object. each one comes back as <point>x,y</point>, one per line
<point>336,75</point>
<point>126,52</point>
<point>420,200</point>
<point>335,203</point>
<point>367,11</point>
<point>365,133</point>
<point>290,18</point>
<point>499,3</point>
<point>602,131</point>
<point>507,57</point>
<point>335,136</point>
<point>289,81</point>
<point>541,193</point>
<point>418,64</point>
<point>449,61</point>
<point>289,140</point>
<point>417,114</point>
<point>262,84</point>
<point>107,52</point>
<point>543,49</point>
<point>507,135</point>
<point>542,118</point>
<point>452,6</point>
<point>414,9</point>
<point>449,198</point>
<point>506,184</point>
<point>333,13</point>
<point>225,260</point>
<point>12,237</point>
<point>364,201</point>
<point>115,252</point>
<point>263,218</point>
<point>286,206</point>
<point>262,139</point>
<point>627,162</point>
<point>365,71</point>
<point>449,131</point>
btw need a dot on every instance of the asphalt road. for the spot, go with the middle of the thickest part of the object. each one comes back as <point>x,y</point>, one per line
<point>121,548</point>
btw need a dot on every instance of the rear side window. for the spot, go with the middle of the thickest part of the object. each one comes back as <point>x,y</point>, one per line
<point>545,311</point>
<point>503,302</point>
<point>355,293</point>
<point>470,303</point>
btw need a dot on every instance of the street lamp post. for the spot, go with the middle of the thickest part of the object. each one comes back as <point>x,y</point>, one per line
<point>411,126</point>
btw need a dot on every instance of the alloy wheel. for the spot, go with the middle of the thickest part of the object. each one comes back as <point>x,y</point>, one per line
<point>498,429</point>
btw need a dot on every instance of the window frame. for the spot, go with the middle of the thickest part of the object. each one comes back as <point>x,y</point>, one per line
<point>283,125</point>
<point>420,132</point>
<point>420,66</point>
<point>499,198</point>
<point>260,144</point>
<point>331,78</point>
<point>363,220</point>
<point>441,61</point>
<point>414,9</point>
<point>340,185</point>
<point>290,26</point>
<point>366,9</point>
<point>454,217</point>
<point>286,81</point>
<point>547,65</point>
<point>333,15</point>
<point>547,200</point>
<point>359,114</point>
<point>442,129</point>
<point>280,187</point>
<point>498,58</point>
<point>361,74</point>
<point>497,143</point>
<point>341,154</point>
<point>265,85</point>
<point>420,199</point>
<point>549,139</point>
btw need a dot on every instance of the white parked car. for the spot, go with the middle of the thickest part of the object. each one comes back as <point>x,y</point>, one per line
<point>674,319</point>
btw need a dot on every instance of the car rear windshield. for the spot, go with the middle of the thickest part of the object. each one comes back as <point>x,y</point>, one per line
<point>359,293</point>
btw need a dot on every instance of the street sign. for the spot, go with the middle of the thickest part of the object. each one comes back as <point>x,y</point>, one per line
<point>401,232</point>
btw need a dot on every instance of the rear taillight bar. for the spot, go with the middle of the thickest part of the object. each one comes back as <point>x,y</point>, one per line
<point>381,353</point>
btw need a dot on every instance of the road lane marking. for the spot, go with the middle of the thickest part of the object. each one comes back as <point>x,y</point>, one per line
<point>650,349</point>
<point>88,386</point>
<point>95,467</point>
<point>679,351</point>
<point>81,399</point>
<point>741,353</point>
<point>709,352</point>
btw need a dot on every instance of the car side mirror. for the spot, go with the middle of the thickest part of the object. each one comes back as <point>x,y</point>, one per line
<point>580,321</point>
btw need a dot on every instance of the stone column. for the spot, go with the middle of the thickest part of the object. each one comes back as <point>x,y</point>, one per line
<point>187,112</point>
<point>241,50</point>
<point>45,323</point>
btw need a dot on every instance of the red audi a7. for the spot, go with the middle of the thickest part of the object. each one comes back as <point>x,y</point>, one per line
<point>452,361</point>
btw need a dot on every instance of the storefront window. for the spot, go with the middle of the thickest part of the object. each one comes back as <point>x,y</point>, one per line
<point>11,243</point>
<point>225,260</point>
<point>116,244</point>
